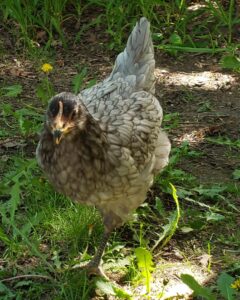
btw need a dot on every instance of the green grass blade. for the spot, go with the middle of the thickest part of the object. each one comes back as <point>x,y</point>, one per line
<point>169,47</point>
<point>171,227</point>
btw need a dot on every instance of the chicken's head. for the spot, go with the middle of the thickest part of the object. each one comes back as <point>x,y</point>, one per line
<point>65,114</point>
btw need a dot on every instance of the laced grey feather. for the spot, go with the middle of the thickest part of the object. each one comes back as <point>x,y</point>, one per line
<point>136,63</point>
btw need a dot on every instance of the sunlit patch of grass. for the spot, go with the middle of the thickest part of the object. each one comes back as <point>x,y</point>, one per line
<point>72,225</point>
<point>43,231</point>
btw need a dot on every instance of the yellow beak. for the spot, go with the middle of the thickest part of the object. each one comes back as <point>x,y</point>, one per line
<point>57,135</point>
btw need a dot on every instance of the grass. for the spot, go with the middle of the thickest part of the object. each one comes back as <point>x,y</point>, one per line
<point>43,235</point>
<point>177,26</point>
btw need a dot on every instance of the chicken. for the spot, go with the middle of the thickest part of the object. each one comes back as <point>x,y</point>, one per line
<point>103,146</point>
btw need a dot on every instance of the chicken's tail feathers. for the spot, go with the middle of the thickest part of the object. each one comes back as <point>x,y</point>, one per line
<point>136,62</point>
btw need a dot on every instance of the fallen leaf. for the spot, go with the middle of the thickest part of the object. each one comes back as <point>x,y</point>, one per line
<point>41,36</point>
<point>204,260</point>
<point>60,62</point>
<point>11,143</point>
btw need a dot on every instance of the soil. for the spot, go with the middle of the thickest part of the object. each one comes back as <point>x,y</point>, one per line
<point>184,87</point>
<point>205,97</point>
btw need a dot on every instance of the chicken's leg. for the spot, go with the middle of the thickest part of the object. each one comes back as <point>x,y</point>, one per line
<point>93,267</point>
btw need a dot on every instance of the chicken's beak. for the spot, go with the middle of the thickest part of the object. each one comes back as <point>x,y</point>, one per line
<point>57,135</point>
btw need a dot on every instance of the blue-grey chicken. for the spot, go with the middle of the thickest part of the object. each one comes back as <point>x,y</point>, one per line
<point>103,146</point>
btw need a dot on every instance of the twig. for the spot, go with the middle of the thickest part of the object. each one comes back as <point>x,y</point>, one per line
<point>206,114</point>
<point>26,276</point>
<point>38,109</point>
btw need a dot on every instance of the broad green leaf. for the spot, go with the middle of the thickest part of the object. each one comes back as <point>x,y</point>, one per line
<point>167,229</point>
<point>7,109</point>
<point>159,206</point>
<point>224,285</point>
<point>78,80</point>
<point>23,283</point>
<point>42,93</point>
<point>212,192</point>
<point>45,90</point>
<point>145,264</point>
<point>199,290</point>
<point>13,90</point>
<point>197,224</point>
<point>6,291</point>
<point>230,62</point>
<point>106,287</point>
<point>157,36</point>
<point>175,39</point>
<point>236,174</point>
<point>211,216</point>
<point>109,288</point>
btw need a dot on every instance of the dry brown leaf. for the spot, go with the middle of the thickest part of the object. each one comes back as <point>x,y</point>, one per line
<point>41,36</point>
<point>204,260</point>
<point>12,143</point>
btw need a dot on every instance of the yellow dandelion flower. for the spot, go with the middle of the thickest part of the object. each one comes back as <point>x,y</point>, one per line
<point>46,68</point>
<point>236,284</point>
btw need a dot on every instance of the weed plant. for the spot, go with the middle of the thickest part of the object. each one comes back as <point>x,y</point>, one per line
<point>206,26</point>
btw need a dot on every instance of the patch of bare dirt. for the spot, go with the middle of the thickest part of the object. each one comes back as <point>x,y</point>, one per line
<point>207,100</point>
